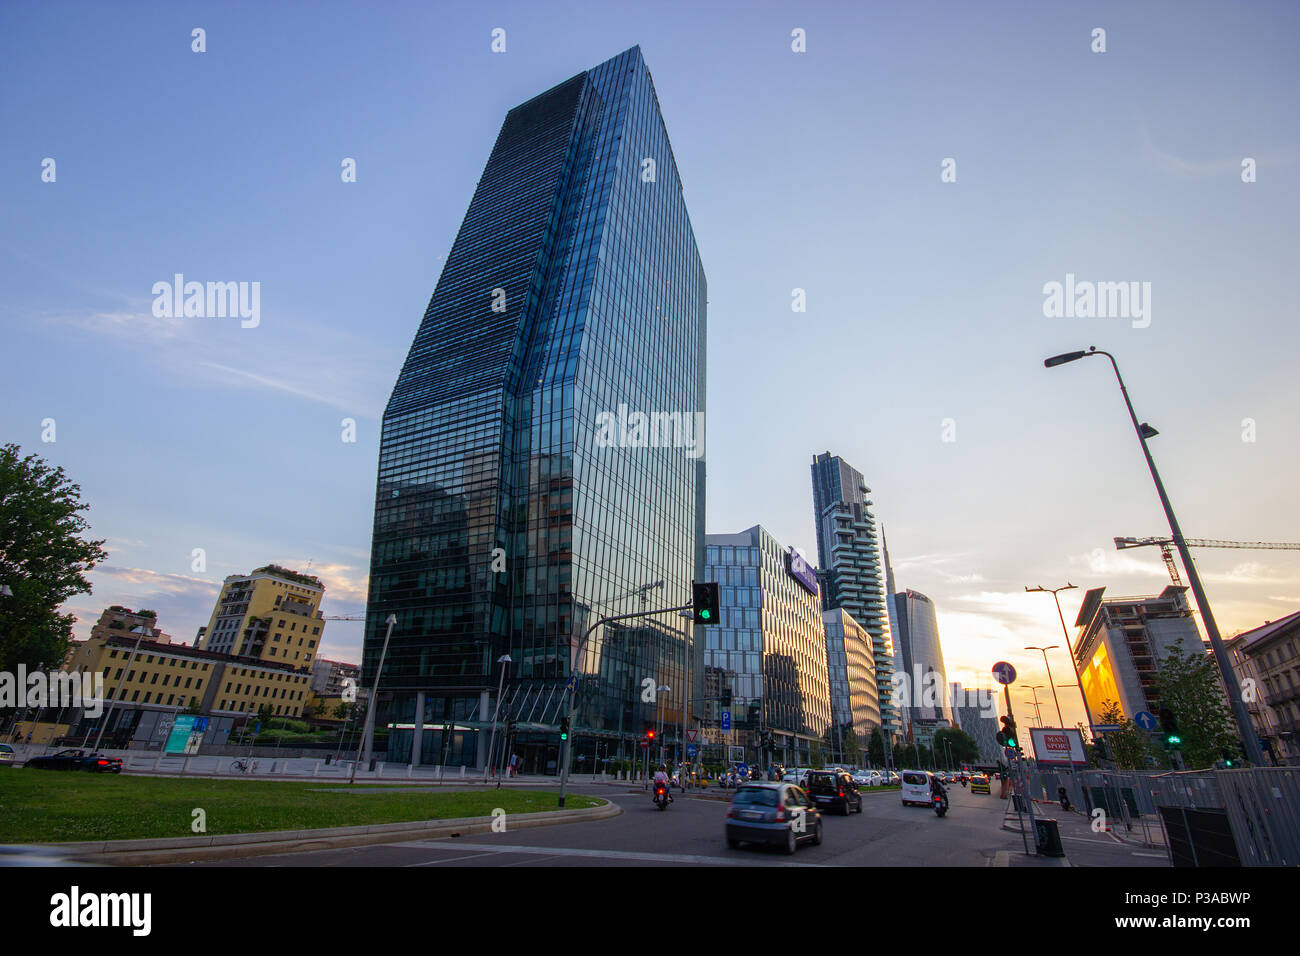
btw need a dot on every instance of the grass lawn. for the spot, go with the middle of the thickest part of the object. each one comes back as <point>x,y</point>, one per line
<point>45,806</point>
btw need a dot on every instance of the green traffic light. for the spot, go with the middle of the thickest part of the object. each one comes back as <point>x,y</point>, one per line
<point>704,614</point>
<point>1175,739</point>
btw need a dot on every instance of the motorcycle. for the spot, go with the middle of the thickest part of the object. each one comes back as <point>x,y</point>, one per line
<point>940,804</point>
<point>661,796</point>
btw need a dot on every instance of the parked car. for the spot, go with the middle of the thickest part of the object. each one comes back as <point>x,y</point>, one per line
<point>778,814</point>
<point>6,755</point>
<point>867,778</point>
<point>834,790</point>
<point>76,760</point>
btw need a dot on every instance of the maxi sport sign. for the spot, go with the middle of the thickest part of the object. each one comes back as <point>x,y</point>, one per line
<point>1056,747</point>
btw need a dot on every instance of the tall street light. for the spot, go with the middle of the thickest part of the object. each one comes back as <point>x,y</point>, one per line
<point>1037,711</point>
<point>1060,721</point>
<point>1055,592</point>
<point>143,631</point>
<point>503,660</point>
<point>369,726</point>
<point>1144,431</point>
<point>659,730</point>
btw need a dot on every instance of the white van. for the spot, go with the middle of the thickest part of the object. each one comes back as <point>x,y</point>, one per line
<point>916,788</point>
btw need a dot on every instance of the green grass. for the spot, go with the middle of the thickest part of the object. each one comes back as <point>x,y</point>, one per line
<point>43,806</point>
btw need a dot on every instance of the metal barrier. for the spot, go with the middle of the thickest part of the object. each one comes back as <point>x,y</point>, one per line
<point>1262,806</point>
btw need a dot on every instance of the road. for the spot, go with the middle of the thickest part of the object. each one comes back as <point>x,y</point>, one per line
<point>690,832</point>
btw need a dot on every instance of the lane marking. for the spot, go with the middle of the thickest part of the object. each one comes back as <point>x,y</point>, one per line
<point>479,849</point>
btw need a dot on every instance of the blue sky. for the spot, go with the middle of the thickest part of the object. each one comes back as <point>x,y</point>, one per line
<point>818,171</point>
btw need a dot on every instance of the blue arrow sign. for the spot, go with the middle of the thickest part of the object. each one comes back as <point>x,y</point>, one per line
<point>1004,673</point>
<point>692,750</point>
<point>726,720</point>
<point>1146,720</point>
<point>742,769</point>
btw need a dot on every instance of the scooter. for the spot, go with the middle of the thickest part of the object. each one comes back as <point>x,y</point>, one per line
<point>940,804</point>
<point>661,796</point>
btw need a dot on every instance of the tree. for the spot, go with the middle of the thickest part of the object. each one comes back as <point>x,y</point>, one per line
<point>816,755</point>
<point>1129,747</point>
<point>1190,687</point>
<point>193,707</point>
<point>342,711</point>
<point>43,559</point>
<point>961,745</point>
<point>852,747</point>
<point>876,748</point>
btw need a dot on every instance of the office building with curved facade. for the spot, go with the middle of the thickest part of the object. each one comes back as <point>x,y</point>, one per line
<point>925,679</point>
<point>850,661</point>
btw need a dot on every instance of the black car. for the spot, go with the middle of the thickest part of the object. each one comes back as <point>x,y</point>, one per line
<point>773,813</point>
<point>76,760</point>
<point>834,790</point>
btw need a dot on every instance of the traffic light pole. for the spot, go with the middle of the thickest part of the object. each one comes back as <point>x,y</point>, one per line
<point>569,700</point>
<point>1022,780</point>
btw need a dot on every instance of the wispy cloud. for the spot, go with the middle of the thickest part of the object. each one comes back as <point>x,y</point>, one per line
<point>1217,166</point>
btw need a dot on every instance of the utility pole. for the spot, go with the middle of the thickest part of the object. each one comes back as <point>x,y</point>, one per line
<point>373,703</point>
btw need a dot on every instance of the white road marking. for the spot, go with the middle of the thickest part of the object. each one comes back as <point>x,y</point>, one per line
<point>479,849</point>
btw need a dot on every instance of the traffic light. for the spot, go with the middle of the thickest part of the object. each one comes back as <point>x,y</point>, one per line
<point>564,729</point>
<point>1169,724</point>
<point>650,736</point>
<point>726,698</point>
<point>1007,738</point>
<point>705,603</point>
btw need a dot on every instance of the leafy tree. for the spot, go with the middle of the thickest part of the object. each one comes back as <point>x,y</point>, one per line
<point>816,755</point>
<point>342,711</point>
<point>264,715</point>
<point>43,559</point>
<point>961,745</point>
<point>876,748</point>
<point>852,747</point>
<point>193,707</point>
<point>1129,747</point>
<point>1190,687</point>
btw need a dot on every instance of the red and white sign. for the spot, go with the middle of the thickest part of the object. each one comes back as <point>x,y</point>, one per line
<point>1056,747</point>
<point>691,735</point>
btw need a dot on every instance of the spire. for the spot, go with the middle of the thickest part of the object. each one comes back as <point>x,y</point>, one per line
<point>889,572</point>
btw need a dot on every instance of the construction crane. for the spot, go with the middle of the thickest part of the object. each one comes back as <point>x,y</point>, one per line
<point>1166,548</point>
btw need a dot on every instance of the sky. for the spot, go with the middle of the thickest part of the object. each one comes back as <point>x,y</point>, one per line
<point>918,358</point>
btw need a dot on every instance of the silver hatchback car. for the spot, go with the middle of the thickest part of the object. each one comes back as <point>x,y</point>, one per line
<point>779,814</point>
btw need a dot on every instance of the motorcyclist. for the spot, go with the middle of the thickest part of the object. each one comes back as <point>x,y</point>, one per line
<point>937,789</point>
<point>661,777</point>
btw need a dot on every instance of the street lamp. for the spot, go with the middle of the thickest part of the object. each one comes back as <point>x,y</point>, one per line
<point>373,704</point>
<point>1144,431</point>
<point>1055,647</point>
<point>659,727</point>
<point>1037,711</point>
<point>142,630</point>
<point>1055,592</point>
<point>503,660</point>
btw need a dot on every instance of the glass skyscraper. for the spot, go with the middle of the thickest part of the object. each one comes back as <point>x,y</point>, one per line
<point>849,564</point>
<point>541,457</point>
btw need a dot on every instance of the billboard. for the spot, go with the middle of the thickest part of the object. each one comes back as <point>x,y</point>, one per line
<point>1054,747</point>
<point>186,734</point>
<point>800,570</point>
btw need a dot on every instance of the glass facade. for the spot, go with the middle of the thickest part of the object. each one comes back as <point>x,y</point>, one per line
<point>849,561</point>
<point>769,649</point>
<point>504,524</point>
<point>916,630</point>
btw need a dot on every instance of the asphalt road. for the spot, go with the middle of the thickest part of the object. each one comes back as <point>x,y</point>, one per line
<point>691,832</point>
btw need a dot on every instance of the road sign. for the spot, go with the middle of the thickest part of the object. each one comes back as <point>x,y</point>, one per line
<point>691,735</point>
<point>1146,720</point>
<point>1004,673</point>
<point>1105,728</point>
<point>726,720</point>
<point>572,683</point>
<point>742,769</point>
<point>692,750</point>
<point>645,745</point>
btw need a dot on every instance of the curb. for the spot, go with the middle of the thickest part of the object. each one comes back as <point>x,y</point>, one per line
<point>235,845</point>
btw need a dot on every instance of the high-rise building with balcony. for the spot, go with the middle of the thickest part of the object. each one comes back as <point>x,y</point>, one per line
<point>272,614</point>
<point>541,456</point>
<point>850,569</point>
